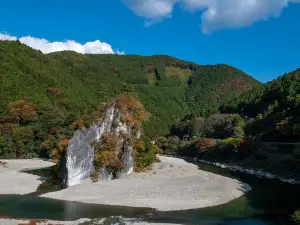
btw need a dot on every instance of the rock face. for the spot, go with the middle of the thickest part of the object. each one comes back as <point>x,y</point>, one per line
<point>80,154</point>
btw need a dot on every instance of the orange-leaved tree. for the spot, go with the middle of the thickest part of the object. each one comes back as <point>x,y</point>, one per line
<point>22,111</point>
<point>57,152</point>
<point>135,114</point>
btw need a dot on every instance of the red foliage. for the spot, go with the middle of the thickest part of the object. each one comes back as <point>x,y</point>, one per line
<point>54,92</point>
<point>204,143</point>
<point>244,141</point>
<point>114,70</point>
<point>52,130</point>
<point>237,84</point>
<point>148,68</point>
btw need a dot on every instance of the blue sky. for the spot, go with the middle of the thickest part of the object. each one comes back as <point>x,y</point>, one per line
<point>202,31</point>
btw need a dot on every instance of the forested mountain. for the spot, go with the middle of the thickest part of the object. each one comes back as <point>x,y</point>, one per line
<point>276,105</point>
<point>212,86</point>
<point>61,88</point>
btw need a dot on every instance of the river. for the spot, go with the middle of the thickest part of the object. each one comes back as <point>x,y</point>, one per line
<point>269,202</point>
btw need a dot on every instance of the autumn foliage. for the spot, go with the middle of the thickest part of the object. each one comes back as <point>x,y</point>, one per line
<point>77,124</point>
<point>204,144</point>
<point>148,68</point>
<point>54,92</point>
<point>135,114</point>
<point>22,111</point>
<point>108,159</point>
<point>105,152</point>
<point>114,70</point>
<point>139,146</point>
<point>57,152</point>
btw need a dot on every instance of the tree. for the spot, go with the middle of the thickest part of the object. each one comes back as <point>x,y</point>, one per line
<point>130,90</point>
<point>204,143</point>
<point>221,126</point>
<point>7,147</point>
<point>22,111</point>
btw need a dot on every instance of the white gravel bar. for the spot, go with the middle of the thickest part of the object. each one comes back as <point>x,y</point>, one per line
<point>172,184</point>
<point>13,181</point>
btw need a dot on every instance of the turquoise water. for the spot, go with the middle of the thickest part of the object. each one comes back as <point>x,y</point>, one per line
<point>269,202</point>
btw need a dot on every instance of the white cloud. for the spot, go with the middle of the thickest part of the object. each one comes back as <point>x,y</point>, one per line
<point>45,46</point>
<point>7,37</point>
<point>152,10</point>
<point>216,14</point>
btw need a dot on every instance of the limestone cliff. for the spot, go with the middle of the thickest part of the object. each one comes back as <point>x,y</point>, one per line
<point>106,146</point>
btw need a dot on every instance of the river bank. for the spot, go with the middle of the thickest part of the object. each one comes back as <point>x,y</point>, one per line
<point>172,184</point>
<point>269,202</point>
<point>83,221</point>
<point>13,181</point>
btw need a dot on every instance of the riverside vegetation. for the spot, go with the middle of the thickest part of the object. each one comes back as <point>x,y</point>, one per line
<point>214,112</point>
<point>46,97</point>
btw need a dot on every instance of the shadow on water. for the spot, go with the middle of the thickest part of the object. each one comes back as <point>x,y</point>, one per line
<point>31,207</point>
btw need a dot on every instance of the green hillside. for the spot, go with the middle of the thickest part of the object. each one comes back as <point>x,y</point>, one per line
<point>67,86</point>
<point>276,106</point>
<point>214,85</point>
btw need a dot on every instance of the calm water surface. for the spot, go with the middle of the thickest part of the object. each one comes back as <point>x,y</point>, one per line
<point>269,202</point>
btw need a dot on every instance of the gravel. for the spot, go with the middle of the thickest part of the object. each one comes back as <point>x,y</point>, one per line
<point>172,184</point>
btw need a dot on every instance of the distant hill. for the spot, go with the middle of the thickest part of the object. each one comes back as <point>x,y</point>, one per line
<point>169,88</point>
<point>214,85</point>
<point>276,104</point>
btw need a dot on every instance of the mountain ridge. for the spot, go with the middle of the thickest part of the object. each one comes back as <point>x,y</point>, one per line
<point>66,87</point>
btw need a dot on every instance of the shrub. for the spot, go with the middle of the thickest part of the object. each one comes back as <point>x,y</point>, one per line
<point>234,142</point>
<point>54,92</point>
<point>144,160</point>
<point>107,159</point>
<point>296,217</point>
<point>139,146</point>
<point>77,124</point>
<point>57,152</point>
<point>94,176</point>
<point>7,147</point>
<point>204,143</point>
<point>156,149</point>
<point>223,125</point>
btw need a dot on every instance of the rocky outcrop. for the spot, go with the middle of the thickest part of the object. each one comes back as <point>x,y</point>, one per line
<point>87,145</point>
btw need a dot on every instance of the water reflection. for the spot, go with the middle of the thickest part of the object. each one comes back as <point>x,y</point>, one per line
<point>20,206</point>
<point>269,202</point>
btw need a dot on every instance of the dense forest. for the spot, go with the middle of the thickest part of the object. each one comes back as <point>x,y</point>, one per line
<point>258,129</point>
<point>45,97</point>
<point>275,107</point>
